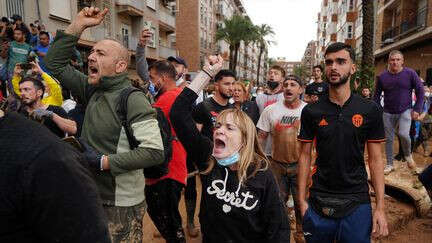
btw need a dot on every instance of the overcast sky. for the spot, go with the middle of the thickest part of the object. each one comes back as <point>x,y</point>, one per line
<point>294,22</point>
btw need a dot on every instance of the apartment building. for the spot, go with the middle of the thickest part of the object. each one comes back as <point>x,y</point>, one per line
<point>124,22</point>
<point>339,21</point>
<point>289,66</point>
<point>405,25</point>
<point>196,26</point>
<point>309,56</point>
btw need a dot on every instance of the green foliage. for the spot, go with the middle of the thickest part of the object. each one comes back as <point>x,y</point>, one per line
<point>302,72</point>
<point>364,77</point>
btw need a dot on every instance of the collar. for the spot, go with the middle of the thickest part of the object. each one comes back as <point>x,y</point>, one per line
<point>347,102</point>
<point>109,83</point>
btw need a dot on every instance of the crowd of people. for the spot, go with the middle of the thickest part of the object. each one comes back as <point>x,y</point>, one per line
<point>260,153</point>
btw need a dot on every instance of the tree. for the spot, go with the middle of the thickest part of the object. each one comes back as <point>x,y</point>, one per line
<point>301,71</point>
<point>366,71</point>
<point>237,29</point>
<point>263,32</point>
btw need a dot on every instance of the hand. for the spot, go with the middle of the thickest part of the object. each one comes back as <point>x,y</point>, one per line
<point>213,65</point>
<point>39,114</point>
<point>379,224</point>
<point>303,207</point>
<point>36,68</point>
<point>145,37</point>
<point>88,17</point>
<point>92,156</point>
<point>414,115</point>
<point>17,70</point>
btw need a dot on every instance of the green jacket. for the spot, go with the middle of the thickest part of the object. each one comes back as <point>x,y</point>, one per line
<point>123,184</point>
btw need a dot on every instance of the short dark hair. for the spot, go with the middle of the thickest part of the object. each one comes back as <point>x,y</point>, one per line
<point>338,46</point>
<point>164,67</point>
<point>318,66</point>
<point>37,83</point>
<point>281,69</point>
<point>224,73</point>
<point>44,33</point>
<point>20,29</point>
<point>295,78</point>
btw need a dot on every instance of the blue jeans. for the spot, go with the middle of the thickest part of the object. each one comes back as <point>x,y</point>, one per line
<point>403,121</point>
<point>353,228</point>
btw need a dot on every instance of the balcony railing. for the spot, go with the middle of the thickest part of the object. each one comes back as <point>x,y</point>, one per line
<point>407,26</point>
<point>165,52</point>
<point>167,17</point>
<point>133,3</point>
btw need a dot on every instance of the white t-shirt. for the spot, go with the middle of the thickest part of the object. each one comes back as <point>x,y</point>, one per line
<point>283,124</point>
<point>264,100</point>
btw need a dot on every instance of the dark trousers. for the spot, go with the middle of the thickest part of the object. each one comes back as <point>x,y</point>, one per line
<point>190,193</point>
<point>286,178</point>
<point>353,228</point>
<point>426,179</point>
<point>163,200</point>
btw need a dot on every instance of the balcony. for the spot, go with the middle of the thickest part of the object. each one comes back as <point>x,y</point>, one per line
<point>407,27</point>
<point>130,7</point>
<point>165,52</point>
<point>167,20</point>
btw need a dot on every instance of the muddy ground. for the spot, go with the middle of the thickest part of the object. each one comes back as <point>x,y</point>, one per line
<point>404,225</point>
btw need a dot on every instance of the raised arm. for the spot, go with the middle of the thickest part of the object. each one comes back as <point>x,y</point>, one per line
<point>196,145</point>
<point>141,61</point>
<point>60,53</point>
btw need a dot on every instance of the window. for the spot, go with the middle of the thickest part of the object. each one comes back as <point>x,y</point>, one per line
<point>15,7</point>
<point>351,5</point>
<point>349,32</point>
<point>60,9</point>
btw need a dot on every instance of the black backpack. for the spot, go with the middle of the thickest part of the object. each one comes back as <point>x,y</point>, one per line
<point>156,171</point>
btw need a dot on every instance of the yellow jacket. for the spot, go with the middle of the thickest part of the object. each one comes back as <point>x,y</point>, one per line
<point>55,96</point>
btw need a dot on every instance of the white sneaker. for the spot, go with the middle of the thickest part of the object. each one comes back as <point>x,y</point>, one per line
<point>388,169</point>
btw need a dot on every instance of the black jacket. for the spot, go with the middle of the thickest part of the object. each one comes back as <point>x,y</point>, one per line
<point>230,212</point>
<point>46,192</point>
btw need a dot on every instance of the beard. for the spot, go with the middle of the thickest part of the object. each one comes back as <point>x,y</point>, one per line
<point>341,82</point>
<point>28,103</point>
<point>225,96</point>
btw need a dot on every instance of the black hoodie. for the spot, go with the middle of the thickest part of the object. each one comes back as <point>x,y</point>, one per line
<point>230,211</point>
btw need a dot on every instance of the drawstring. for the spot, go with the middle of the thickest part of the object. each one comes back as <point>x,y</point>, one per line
<point>226,179</point>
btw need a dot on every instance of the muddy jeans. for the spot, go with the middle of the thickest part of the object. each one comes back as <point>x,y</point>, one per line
<point>286,178</point>
<point>125,223</point>
<point>403,121</point>
<point>163,200</point>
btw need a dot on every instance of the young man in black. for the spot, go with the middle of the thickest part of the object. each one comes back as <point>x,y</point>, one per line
<point>339,207</point>
<point>318,88</point>
<point>205,114</point>
<point>55,117</point>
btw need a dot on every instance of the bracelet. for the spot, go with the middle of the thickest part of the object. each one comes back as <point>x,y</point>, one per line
<point>211,77</point>
<point>101,163</point>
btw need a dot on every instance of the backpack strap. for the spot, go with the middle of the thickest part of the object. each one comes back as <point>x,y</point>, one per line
<point>122,114</point>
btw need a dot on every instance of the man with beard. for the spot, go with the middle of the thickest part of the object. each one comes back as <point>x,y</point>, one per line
<point>205,114</point>
<point>339,206</point>
<point>54,117</point>
<point>282,121</point>
<point>117,169</point>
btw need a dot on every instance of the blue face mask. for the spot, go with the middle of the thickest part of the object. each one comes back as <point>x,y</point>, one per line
<point>229,160</point>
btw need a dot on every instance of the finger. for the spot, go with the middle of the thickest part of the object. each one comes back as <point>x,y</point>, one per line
<point>103,13</point>
<point>96,10</point>
<point>91,11</point>
<point>374,226</point>
<point>85,11</point>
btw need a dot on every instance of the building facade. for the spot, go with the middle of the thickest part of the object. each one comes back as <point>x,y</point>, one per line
<point>405,25</point>
<point>309,56</point>
<point>339,21</point>
<point>123,22</point>
<point>289,66</point>
<point>196,26</point>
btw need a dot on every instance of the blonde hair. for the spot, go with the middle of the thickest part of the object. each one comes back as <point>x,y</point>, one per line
<point>243,87</point>
<point>252,157</point>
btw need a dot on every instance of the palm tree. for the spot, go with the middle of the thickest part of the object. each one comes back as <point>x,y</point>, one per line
<point>237,29</point>
<point>301,71</point>
<point>264,30</point>
<point>367,60</point>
